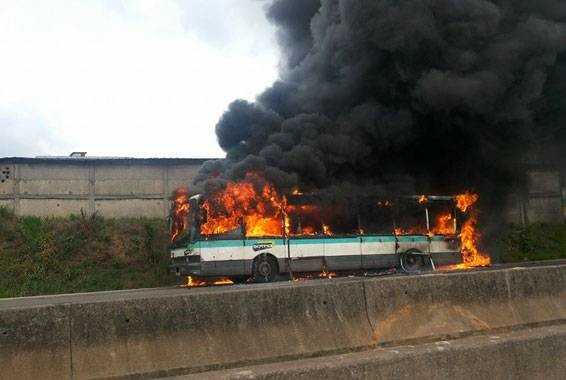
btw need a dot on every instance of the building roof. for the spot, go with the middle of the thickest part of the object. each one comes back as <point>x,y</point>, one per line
<point>102,160</point>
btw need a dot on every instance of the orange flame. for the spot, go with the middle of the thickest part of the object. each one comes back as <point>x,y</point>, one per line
<point>262,212</point>
<point>466,200</point>
<point>444,225</point>
<point>254,204</point>
<point>469,236</point>
<point>308,230</point>
<point>193,282</point>
<point>326,274</point>
<point>409,231</point>
<point>180,210</point>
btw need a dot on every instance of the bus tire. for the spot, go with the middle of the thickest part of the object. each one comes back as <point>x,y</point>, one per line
<point>413,261</point>
<point>265,269</point>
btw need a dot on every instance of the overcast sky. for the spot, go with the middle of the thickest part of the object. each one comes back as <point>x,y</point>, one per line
<point>142,78</point>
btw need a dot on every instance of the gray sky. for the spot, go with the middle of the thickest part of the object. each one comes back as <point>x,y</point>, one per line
<point>142,78</point>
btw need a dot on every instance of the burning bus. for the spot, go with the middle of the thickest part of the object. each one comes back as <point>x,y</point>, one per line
<point>243,232</point>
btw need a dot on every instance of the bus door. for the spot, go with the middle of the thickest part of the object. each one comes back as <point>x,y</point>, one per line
<point>378,243</point>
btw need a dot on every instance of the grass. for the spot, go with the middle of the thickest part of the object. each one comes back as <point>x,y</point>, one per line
<point>539,241</point>
<point>80,254</point>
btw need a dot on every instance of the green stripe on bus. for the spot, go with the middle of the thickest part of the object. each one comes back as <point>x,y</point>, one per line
<point>378,239</point>
<point>412,239</point>
<point>221,243</point>
<point>324,241</point>
<point>438,238</point>
<point>321,240</point>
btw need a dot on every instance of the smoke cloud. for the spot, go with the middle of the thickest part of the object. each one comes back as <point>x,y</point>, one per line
<point>449,94</point>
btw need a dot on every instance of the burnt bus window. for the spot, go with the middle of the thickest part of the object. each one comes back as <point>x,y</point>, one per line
<point>376,217</point>
<point>441,216</point>
<point>410,217</point>
<point>339,219</point>
<point>304,220</point>
<point>234,229</point>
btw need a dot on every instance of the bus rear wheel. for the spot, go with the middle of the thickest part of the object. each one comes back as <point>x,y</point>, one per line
<point>265,269</point>
<point>414,261</point>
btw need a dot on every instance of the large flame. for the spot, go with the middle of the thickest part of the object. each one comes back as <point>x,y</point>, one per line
<point>444,224</point>
<point>469,236</point>
<point>179,212</point>
<point>466,200</point>
<point>257,205</point>
<point>262,212</point>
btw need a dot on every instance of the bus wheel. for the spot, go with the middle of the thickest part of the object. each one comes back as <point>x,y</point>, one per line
<point>413,261</point>
<point>265,269</point>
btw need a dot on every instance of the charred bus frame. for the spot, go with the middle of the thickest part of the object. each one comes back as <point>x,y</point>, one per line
<point>263,258</point>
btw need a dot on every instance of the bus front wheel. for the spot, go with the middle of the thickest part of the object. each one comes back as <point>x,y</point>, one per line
<point>265,269</point>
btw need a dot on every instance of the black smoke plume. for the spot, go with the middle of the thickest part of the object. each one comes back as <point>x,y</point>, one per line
<point>450,94</point>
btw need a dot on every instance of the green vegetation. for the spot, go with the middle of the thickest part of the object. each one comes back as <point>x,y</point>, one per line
<point>537,241</point>
<point>80,254</point>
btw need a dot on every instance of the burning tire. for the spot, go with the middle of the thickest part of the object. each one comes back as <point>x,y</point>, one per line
<point>265,269</point>
<point>414,261</point>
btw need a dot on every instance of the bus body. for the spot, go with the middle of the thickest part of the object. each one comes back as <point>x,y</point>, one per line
<point>236,255</point>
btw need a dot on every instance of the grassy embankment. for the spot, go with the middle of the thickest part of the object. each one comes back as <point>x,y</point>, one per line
<point>80,254</point>
<point>539,241</point>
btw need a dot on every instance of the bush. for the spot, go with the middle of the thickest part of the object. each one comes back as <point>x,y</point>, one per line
<point>81,253</point>
<point>537,241</point>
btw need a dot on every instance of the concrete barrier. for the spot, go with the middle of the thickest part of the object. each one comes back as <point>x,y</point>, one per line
<point>176,331</point>
<point>213,329</point>
<point>198,329</point>
<point>537,353</point>
<point>35,343</point>
<point>456,304</point>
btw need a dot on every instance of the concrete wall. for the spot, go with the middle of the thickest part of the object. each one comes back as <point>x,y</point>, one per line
<point>544,196</point>
<point>173,331</point>
<point>110,187</point>
<point>543,199</point>
<point>141,187</point>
